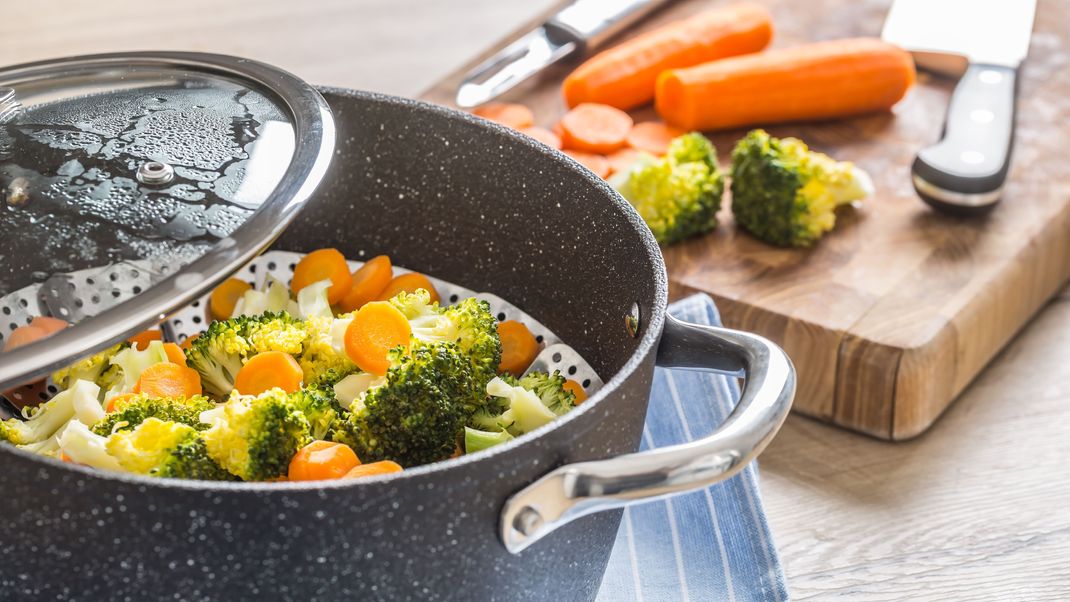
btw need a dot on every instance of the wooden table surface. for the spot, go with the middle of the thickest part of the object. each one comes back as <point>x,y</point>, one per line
<point>977,508</point>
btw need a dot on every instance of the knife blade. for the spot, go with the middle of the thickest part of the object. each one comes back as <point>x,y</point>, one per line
<point>965,171</point>
<point>581,26</point>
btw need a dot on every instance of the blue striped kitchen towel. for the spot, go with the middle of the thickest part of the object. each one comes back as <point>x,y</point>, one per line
<point>712,544</point>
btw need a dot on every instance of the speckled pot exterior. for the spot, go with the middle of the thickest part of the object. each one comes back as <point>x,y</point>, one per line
<point>471,203</point>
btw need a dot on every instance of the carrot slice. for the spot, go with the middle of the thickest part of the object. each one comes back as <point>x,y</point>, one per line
<point>369,281</point>
<point>368,470</point>
<point>113,403</point>
<point>652,137</point>
<point>557,130</point>
<point>165,379</point>
<point>595,128</point>
<point>577,390</point>
<point>508,114</point>
<point>48,324</point>
<point>175,354</point>
<point>23,335</point>
<point>268,370</point>
<point>622,160</point>
<point>188,341</point>
<point>141,340</point>
<point>624,76</point>
<point>225,296</point>
<point>596,163</point>
<point>519,347</point>
<point>375,329</point>
<point>323,264</point>
<point>543,135</point>
<point>409,283</point>
<point>321,461</point>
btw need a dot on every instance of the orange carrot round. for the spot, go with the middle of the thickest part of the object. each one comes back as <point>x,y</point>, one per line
<point>369,281</point>
<point>577,390</point>
<point>557,130</point>
<point>174,354</point>
<point>323,264</point>
<point>225,296</point>
<point>596,163</point>
<point>114,402</point>
<point>375,468</point>
<point>508,114</point>
<point>48,324</point>
<point>23,335</point>
<point>141,340</point>
<point>595,128</point>
<point>188,341</point>
<point>543,135</point>
<point>622,160</point>
<point>375,329</point>
<point>652,137</point>
<point>519,347</point>
<point>165,379</point>
<point>409,283</point>
<point>268,370</point>
<point>624,76</point>
<point>321,461</point>
<point>822,80</point>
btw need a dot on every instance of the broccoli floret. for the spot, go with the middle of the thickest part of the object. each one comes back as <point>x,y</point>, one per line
<point>523,405</point>
<point>324,348</point>
<point>136,410</point>
<point>787,195</point>
<point>318,405</point>
<point>48,418</point>
<point>551,391</point>
<point>219,353</point>
<point>417,415</point>
<point>469,324</point>
<point>679,194</point>
<point>255,437</point>
<point>165,449</point>
<point>97,368</point>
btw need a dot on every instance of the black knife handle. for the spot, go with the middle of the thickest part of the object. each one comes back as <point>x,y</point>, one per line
<point>965,171</point>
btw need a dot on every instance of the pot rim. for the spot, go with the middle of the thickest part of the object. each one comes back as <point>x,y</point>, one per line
<point>651,325</point>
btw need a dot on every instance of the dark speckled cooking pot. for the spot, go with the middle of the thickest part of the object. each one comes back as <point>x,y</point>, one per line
<point>489,209</point>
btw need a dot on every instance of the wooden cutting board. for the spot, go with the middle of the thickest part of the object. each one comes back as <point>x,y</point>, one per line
<point>891,315</point>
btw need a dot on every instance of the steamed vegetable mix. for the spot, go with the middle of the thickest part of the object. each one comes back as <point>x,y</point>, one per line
<point>350,375</point>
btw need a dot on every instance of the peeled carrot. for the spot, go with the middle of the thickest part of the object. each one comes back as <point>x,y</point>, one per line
<point>543,135</point>
<point>23,335</point>
<point>323,264</point>
<point>596,163</point>
<point>175,354</point>
<point>375,329</point>
<point>165,379</point>
<point>141,340</point>
<point>375,468</point>
<point>595,128</point>
<point>188,341</point>
<point>48,324</point>
<point>508,114</point>
<point>622,160</point>
<point>321,461</point>
<point>409,283</point>
<point>577,390</point>
<point>624,76</point>
<point>369,281</point>
<point>225,296</point>
<point>837,78</point>
<point>519,347</point>
<point>652,137</point>
<point>268,370</point>
<point>113,403</point>
<point>557,130</point>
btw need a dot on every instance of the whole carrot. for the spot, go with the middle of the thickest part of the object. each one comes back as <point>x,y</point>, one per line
<point>624,76</point>
<point>823,80</point>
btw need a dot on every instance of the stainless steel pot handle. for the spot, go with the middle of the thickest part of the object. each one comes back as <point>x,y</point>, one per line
<point>576,490</point>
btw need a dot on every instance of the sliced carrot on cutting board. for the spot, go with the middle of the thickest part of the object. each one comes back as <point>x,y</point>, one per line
<point>596,163</point>
<point>322,461</point>
<point>652,137</point>
<point>595,128</point>
<point>268,370</point>
<point>519,347</point>
<point>543,135</point>
<point>508,114</point>
<point>165,379</point>
<point>375,329</point>
<point>225,297</point>
<point>323,264</point>
<point>409,283</point>
<point>622,160</point>
<point>369,281</point>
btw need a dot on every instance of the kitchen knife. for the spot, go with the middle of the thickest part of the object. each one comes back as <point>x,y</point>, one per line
<point>964,172</point>
<point>576,28</point>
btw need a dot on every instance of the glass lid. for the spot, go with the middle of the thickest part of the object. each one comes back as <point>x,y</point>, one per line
<point>133,183</point>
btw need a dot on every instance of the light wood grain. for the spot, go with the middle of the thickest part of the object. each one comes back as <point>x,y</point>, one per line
<point>975,509</point>
<point>891,316</point>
